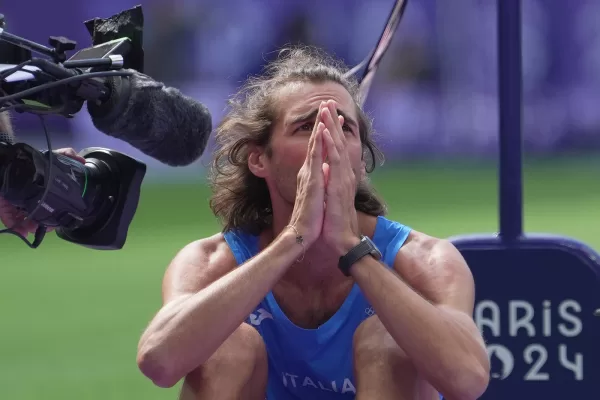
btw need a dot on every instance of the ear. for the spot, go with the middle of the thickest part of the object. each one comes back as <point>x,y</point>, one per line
<point>258,162</point>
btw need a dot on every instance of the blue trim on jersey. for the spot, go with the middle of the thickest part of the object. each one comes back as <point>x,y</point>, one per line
<point>243,246</point>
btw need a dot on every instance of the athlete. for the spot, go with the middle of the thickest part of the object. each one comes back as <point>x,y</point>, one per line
<point>309,291</point>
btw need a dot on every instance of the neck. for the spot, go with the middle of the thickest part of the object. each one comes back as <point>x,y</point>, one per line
<point>281,218</point>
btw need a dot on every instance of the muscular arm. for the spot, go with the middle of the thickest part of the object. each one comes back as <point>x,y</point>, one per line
<point>205,299</point>
<point>427,310</point>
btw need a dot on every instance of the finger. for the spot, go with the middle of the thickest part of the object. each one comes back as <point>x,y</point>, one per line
<point>332,151</point>
<point>332,169</point>
<point>20,230</point>
<point>338,138</point>
<point>325,153</point>
<point>311,141</point>
<point>26,225</point>
<point>71,153</point>
<point>316,154</point>
<point>332,125</point>
<point>336,122</point>
<point>18,225</point>
<point>318,119</point>
<point>31,225</point>
<point>13,218</point>
<point>7,212</point>
<point>67,152</point>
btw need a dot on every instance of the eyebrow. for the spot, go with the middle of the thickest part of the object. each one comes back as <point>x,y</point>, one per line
<point>311,115</point>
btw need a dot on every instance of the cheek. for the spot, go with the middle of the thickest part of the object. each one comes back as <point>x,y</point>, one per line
<point>290,155</point>
<point>355,152</point>
<point>356,159</point>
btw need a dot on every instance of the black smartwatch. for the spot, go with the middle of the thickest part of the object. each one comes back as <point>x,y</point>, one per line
<point>366,247</point>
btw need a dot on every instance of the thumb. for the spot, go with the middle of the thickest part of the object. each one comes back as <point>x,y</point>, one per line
<point>71,153</point>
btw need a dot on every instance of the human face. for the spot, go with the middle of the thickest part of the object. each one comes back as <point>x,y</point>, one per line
<point>298,105</point>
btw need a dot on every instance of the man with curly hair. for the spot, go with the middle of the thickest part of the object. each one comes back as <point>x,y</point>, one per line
<point>309,291</point>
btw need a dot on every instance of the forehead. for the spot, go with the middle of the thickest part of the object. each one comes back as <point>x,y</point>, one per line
<point>299,98</point>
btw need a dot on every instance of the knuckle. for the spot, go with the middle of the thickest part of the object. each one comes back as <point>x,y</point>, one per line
<point>335,191</point>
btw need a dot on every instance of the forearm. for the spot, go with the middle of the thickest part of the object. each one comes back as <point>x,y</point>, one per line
<point>189,330</point>
<point>444,350</point>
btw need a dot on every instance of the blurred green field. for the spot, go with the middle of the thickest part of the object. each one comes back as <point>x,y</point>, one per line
<point>71,317</point>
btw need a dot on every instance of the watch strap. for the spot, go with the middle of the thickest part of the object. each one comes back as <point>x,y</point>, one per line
<point>364,248</point>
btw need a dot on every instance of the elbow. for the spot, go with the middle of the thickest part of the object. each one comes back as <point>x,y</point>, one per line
<point>157,367</point>
<point>471,384</point>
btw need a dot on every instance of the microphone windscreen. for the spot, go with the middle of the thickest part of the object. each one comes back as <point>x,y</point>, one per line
<point>160,121</point>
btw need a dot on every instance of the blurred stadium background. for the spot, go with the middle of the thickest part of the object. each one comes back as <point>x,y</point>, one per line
<point>71,317</point>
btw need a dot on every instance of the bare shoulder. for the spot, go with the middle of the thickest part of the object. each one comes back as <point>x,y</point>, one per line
<point>437,270</point>
<point>197,265</point>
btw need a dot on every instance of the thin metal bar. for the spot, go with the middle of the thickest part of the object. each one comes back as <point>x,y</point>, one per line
<point>510,114</point>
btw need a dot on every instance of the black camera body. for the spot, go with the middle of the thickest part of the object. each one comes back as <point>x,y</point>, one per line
<point>90,204</point>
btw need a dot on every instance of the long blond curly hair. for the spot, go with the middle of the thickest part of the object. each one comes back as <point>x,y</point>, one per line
<point>240,199</point>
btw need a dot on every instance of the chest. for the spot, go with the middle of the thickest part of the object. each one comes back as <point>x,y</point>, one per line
<point>310,309</point>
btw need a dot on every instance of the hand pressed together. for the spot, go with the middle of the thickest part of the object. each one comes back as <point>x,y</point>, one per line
<point>324,207</point>
<point>309,208</point>
<point>340,225</point>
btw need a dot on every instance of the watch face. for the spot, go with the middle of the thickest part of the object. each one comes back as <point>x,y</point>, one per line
<point>374,250</point>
